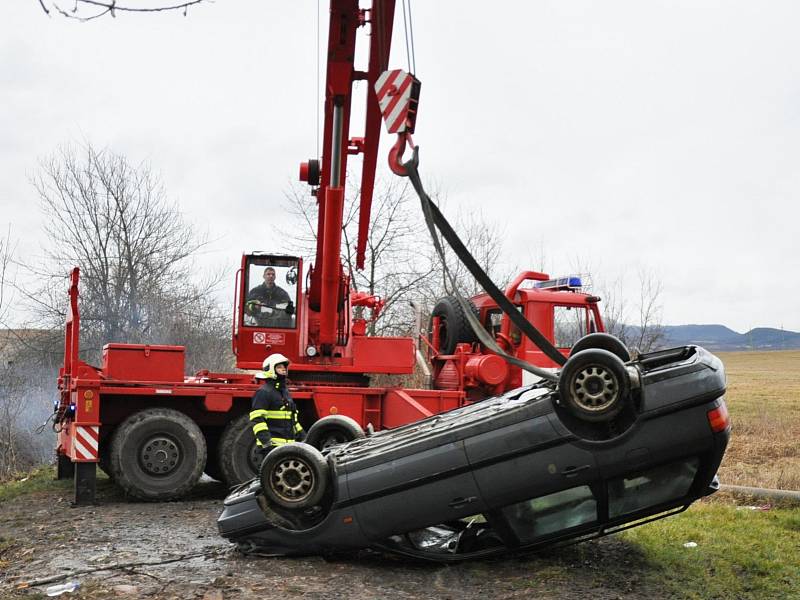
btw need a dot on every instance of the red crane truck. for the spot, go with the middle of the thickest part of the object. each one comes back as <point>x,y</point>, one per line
<point>155,430</point>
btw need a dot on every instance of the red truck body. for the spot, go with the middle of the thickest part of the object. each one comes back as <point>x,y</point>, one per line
<point>155,430</point>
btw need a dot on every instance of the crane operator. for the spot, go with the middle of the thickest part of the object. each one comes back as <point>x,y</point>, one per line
<point>269,304</point>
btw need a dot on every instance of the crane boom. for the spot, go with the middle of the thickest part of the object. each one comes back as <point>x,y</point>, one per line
<point>327,284</point>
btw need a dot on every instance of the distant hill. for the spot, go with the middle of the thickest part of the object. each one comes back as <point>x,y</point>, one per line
<point>719,337</point>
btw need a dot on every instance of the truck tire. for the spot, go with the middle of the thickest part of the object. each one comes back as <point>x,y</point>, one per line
<point>294,476</point>
<point>332,430</point>
<point>157,454</point>
<point>453,325</point>
<point>594,385</point>
<point>604,341</point>
<point>237,453</point>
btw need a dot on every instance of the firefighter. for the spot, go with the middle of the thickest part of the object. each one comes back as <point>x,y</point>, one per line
<point>273,413</point>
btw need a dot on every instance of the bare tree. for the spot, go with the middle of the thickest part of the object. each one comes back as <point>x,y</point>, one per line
<point>401,264</point>
<point>87,10</point>
<point>395,267</point>
<point>114,221</point>
<point>636,322</point>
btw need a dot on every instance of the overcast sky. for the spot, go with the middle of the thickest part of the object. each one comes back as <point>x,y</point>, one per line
<point>620,135</point>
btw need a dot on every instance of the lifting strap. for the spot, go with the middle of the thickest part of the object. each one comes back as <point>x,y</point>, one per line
<point>436,220</point>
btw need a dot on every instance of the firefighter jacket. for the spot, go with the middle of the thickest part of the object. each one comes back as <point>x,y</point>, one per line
<point>273,415</point>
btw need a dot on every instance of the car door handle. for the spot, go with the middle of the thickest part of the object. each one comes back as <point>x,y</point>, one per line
<point>572,471</point>
<point>459,502</point>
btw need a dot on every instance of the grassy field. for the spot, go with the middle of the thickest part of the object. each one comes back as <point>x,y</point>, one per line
<point>764,403</point>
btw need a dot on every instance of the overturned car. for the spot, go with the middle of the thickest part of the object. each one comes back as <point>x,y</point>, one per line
<point>613,444</point>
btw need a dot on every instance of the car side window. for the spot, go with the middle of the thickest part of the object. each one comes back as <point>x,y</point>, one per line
<point>552,513</point>
<point>650,488</point>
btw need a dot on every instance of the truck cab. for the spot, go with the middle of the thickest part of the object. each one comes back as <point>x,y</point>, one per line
<point>557,307</point>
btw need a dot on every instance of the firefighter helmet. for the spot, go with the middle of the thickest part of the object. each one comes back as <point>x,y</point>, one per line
<point>269,364</point>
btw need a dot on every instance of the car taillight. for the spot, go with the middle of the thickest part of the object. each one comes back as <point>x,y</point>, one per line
<point>718,418</point>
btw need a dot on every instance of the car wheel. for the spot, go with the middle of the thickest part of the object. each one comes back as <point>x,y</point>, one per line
<point>594,385</point>
<point>157,454</point>
<point>454,328</point>
<point>294,476</point>
<point>332,430</point>
<point>238,455</point>
<point>603,341</point>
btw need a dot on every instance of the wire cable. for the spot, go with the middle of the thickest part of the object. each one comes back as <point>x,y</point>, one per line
<point>405,33</point>
<point>316,95</point>
<point>411,30</point>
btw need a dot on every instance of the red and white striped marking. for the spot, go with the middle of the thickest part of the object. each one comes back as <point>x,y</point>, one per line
<point>85,441</point>
<point>393,89</point>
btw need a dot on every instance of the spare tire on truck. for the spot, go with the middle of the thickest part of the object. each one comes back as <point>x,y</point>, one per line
<point>603,341</point>
<point>157,454</point>
<point>237,453</point>
<point>332,430</point>
<point>454,328</point>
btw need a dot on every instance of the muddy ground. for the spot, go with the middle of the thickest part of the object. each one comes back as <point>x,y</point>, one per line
<point>43,536</point>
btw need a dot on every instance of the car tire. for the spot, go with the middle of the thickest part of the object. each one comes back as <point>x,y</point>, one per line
<point>594,385</point>
<point>294,476</point>
<point>238,454</point>
<point>603,341</point>
<point>157,454</point>
<point>454,328</point>
<point>332,430</point>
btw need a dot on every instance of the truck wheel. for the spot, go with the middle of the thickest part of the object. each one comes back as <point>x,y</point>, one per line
<point>332,430</point>
<point>157,454</point>
<point>294,476</point>
<point>594,385</point>
<point>237,454</point>
<point>604,341</point>
<point>453,325</point>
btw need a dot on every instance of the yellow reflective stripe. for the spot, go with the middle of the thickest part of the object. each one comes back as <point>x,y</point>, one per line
<point>278,414</point>
<point>298,428</point>
<point>259,427</point>
<point>258,413</point>
<point>281,441</point>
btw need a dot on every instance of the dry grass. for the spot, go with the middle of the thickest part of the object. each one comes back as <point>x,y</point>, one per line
<point>764,403</point>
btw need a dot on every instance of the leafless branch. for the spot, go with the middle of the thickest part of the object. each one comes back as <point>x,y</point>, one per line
<point>111,7</point>
<point>125,566</point>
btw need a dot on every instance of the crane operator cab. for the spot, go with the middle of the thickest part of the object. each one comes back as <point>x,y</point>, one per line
<point>269,303</point>
<point>268,296</point>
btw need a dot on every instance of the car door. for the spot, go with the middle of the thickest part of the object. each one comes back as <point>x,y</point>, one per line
<point>527,459</point>
<point>420,489</point>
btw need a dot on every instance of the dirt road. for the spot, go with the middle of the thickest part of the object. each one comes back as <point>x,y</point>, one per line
<point>41,536</point>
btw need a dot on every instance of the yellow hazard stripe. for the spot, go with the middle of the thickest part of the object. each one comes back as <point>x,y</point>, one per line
<point>298,428</point>
<point>281,441</point>
<point>259,427</point>
<point>259,413</point>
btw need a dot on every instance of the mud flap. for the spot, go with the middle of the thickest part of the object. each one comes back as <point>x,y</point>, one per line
<point>85,483</point>
<point>64,467</point>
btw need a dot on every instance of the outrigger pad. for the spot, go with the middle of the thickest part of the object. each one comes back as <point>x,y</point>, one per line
<point>85,483</point>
